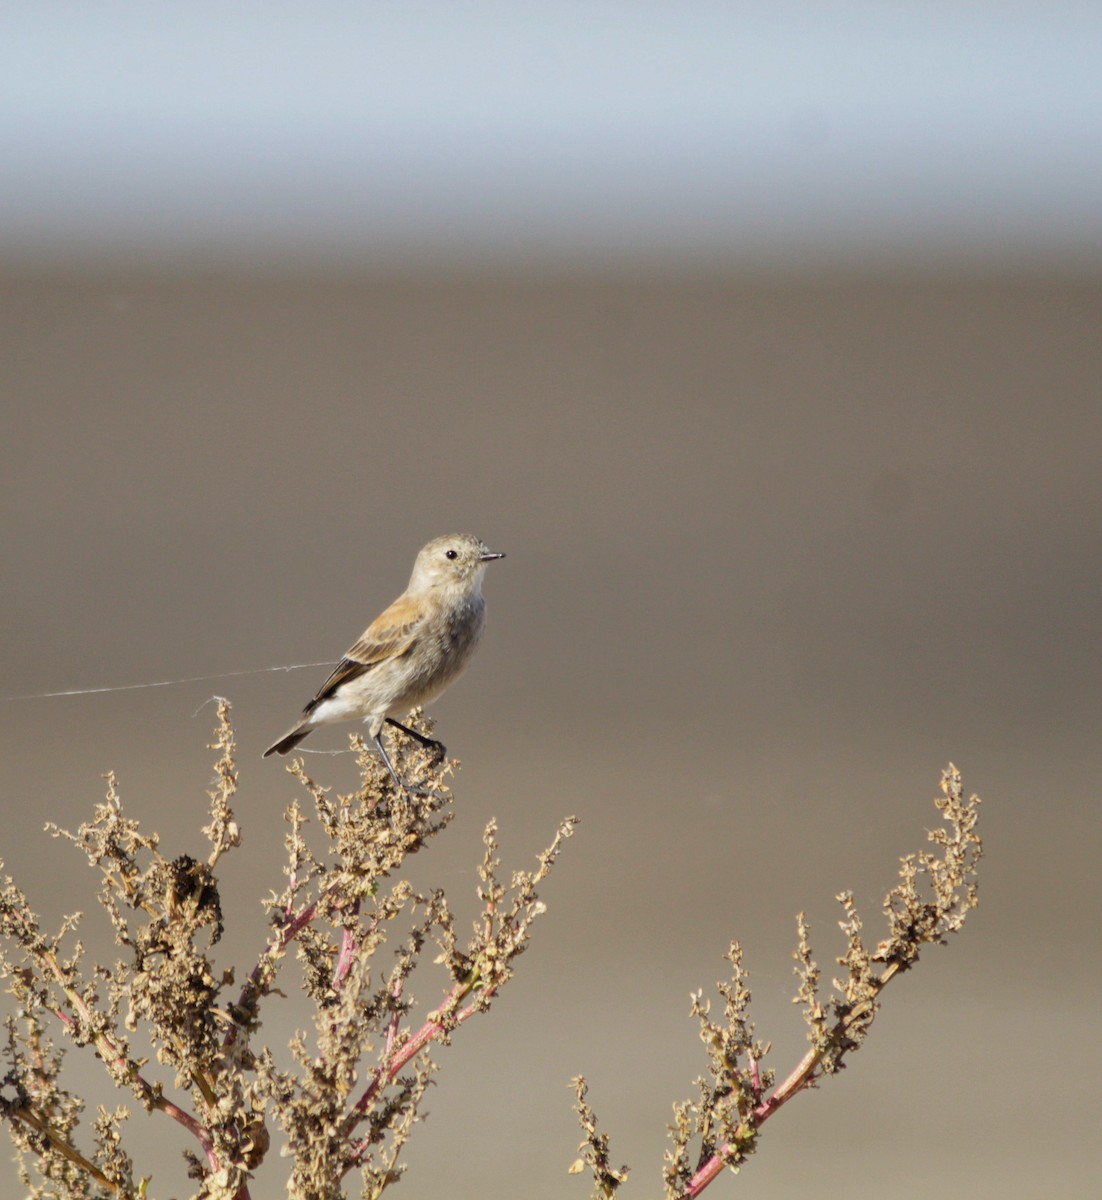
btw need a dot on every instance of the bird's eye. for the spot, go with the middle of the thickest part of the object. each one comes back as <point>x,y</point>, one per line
<point>451,554</point>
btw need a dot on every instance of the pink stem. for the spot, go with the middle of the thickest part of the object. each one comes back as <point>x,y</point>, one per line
<point>349,948</point>
<point>755,1078</point>
<point>392,1065</point>
<point>199,1131</point>
<point>395,1019</point>
<point>286,935</point>
<point>427,1032</point>
<point>784,1092</point>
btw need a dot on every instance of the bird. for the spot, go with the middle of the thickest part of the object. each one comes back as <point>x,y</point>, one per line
<point>411,652</point>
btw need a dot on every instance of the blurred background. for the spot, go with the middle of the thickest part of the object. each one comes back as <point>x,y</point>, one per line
<point>767,342</point>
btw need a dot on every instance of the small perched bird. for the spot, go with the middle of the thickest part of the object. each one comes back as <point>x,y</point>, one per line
<point>411,652</point>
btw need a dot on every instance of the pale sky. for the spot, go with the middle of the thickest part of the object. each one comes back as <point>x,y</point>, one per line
<point>735,133</point>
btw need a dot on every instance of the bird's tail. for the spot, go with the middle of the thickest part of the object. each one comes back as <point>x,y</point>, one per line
<point>290,739</point>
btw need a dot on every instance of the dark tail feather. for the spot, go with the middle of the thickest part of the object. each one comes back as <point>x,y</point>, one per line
<point>288,741</point>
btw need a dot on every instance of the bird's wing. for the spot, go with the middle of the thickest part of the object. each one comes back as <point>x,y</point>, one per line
<point>389,636</point>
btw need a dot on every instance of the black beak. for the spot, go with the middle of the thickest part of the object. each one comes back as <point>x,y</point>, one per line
<point>489,556</point>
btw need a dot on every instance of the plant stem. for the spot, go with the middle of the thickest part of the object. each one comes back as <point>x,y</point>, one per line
<point>783,1092</point>
<point>63,1147</point>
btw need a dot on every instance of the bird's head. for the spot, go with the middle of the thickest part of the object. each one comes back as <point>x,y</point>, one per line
<point>455,561</point>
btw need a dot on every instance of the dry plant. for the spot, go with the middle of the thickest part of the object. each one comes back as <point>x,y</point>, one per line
<point>359,932</point>
<point>720,1128</point>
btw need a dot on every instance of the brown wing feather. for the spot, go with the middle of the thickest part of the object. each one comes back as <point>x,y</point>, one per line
<point>390,635</point>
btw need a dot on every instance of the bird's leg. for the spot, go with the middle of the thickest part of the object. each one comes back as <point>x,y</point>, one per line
<point>378,740</point>
<point>427,742</point>
<point>416,791</point>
